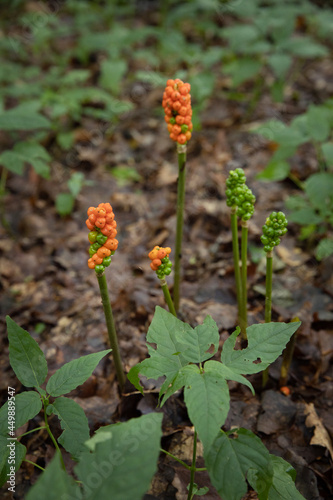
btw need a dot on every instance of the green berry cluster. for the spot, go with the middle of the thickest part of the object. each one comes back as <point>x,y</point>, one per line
<point>273,229</point>
<point>165,268</point>
<point>235,180</point>
<point>245,202</point>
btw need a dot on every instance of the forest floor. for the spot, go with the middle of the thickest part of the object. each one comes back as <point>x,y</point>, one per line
<point>45,281</point>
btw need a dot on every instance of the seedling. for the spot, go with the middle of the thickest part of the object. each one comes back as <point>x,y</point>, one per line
<point>160,263</point>
<point>273,229</point>
<point>102,237</point>
<point>178,115</point>
<point>182,356</point>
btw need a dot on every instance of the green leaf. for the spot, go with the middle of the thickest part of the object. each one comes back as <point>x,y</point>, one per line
<point>27,405</point>
<point>319,188</point>
<point>304,46</point>
<point>318,121</point>
<point>164,331</point>
<point>227,373</point>
<point>230,462</point>
<point>305,216</point>
<point>74,423</point>
<point>76,183</point>
<point>207,400</point>
<point>284,475</point>
<point>74,373</point>
<point>194,344</point>
<point>266,342</point>
<point>12,453</point>
<point>112,73</point>
<point>55,484</point>
<point>275,171</point>
<point>179,381</point>
<point>280,64</point>
<point>26,358</point>
<point>242,69</point>
<point>27,152</point>
<point>324,249</point>
<point>22,120</point>
<point>13,161</point>
<point>327,150</point>
<point>124,463</point>
<point>64,203</point>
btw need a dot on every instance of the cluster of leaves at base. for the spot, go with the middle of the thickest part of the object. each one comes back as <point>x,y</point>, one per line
<point>273,229</point>
<point>115,451</point>
<point>183,358</point>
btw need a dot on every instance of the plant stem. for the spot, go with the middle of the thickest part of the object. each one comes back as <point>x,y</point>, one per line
<point>287,357</point>
<point>33,463</point>
<point>188,467</point>
<point>29,432</point>
<point>243,318</point>
<point>268,301</point>
<point>235,250</point>
<point>193,468</point>
<point>54,441</point>
<point>167,297</point>
<point>181,150</point>
<point>111,329</point>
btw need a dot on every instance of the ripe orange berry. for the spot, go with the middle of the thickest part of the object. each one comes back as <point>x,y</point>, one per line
<point>161,253</point>
<point>285,390</point>
<point>171,83</point>
<point>91,264</point>
<point>176,106</point>
<point>109,218</point>
<point>182,110</point>
<point>179,120</point>
<point>188,135</point>
<point>168,250</point>
<point>100,212</point>
<point>100,222</point>
<point>156,263</point>
<point>181,138</point>
<point>170,127</point>
<point>90,210</point>
<point>90,226</point>
<point>92,218</point>
<point>176,129</point>
<point>103,252</point>
<point>175,96</point>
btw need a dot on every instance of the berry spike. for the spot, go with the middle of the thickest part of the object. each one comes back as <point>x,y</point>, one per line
<point>178,111</point>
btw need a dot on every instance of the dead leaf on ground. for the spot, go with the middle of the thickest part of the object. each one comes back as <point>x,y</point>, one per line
<point>320,435</point>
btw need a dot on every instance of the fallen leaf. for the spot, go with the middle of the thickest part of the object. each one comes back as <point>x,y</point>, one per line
<point>320,435</point>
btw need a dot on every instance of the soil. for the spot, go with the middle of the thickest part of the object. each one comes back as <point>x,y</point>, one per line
<point>45,281</point>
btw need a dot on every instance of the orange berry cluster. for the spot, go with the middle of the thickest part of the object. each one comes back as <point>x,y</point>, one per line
<point>102,236</point>
<point>160,261</point>
<point>178,112</point>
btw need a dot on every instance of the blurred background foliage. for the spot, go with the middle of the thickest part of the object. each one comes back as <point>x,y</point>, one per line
<point>63,60</point>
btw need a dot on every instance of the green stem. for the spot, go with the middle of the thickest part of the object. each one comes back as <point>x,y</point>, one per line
<point>33,463</point>
<point>287,358</point>
<point>175,458</point>
<point>188,467</point>
<point>52,437</point>
<point>167,297</point>
<point>181,149</point>
<point>268,302</point>
<point>243,322</point>
<point>111,329</point>
<point>193,468</point>
<point>235,250</point>
<point>29,432</point>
